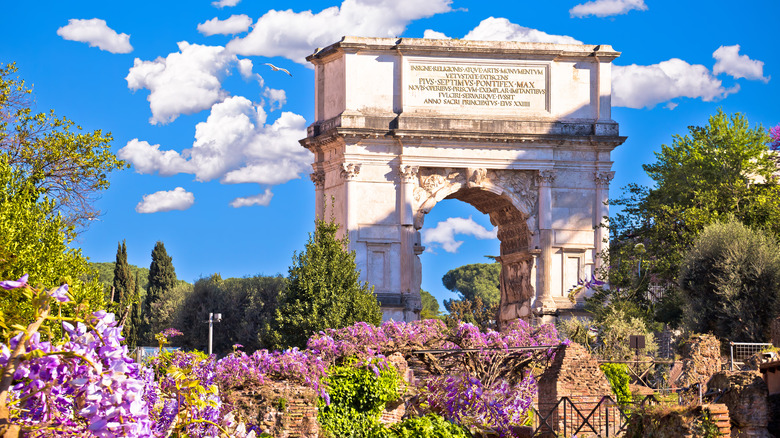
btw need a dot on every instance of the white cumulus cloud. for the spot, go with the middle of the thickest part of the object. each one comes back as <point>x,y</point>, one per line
<point>148,158</point>
<point>638,86</point>
<point>443,233</point>
<point>96,33</point>
<point>501,29</point>
<point>262,199</point>
<point>184,82</point>
<point>434,35</point>
<point>234,145</point>
<point>738,66</point>
<point>294,35</point>
<point>606,8</point>
<point>176,199</point>
<point>229,26</point>
<point>276,98</point>
<point>224,3</point>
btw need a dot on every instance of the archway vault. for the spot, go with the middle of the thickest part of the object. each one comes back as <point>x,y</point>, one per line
<point>521,131</point>
<point>509,198</point>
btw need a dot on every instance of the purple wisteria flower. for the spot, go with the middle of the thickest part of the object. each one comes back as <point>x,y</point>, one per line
<point>14,284</point>
<point>60,294</point>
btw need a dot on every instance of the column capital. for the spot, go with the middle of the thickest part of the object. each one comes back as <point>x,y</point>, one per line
<point>545,177</point>
<point>603,178</point>
<point>408,172</point>
<point>349,171</point>
<point>318,178</point>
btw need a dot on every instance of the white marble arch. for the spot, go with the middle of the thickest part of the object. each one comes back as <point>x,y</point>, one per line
<point>522,131</point>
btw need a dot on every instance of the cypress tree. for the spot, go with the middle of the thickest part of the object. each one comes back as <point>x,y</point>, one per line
<point>123,279</point>
<point>162,278</point>
<point>135,322</point>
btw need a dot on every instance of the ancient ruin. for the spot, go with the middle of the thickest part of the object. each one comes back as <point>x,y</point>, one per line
<point>521,131</point>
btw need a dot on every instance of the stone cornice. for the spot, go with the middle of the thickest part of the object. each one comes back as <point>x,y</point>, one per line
<point>424,47</point>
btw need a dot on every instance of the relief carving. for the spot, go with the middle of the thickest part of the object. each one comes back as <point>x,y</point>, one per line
<point>545,177</point>
<point>349,171</point>
<point>408,173</point>
<point>603,178</point>
<point>318,178</point>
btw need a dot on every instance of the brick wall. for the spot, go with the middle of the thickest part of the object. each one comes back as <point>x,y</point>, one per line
<point>676,422</point>
<point>575,374</point>
<point>745,394</point>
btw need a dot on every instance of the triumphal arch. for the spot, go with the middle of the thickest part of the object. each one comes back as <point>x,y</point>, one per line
<point>521,131</point>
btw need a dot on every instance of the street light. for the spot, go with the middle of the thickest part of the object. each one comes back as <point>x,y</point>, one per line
<point>213,317</point>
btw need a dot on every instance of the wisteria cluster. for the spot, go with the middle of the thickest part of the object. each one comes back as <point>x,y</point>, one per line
<point>774,134</point>
<point>87,383</point>
<point>465,400</point>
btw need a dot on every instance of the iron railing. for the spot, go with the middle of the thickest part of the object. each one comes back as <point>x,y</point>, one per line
<point>566,418</point>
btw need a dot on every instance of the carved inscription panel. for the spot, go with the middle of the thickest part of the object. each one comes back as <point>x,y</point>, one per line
<point>476,86</point>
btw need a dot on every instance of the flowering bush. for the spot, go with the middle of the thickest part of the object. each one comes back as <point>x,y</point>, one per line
<point>774,134</point>
<point>86,385</point>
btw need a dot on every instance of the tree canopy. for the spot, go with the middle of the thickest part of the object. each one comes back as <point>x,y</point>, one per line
<point>70,167</point>
<point>323,290</point>
<point>730,280</point>
<point>48,177</point>
<point>723,169</point>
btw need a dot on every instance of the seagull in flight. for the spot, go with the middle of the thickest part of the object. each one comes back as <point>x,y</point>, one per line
<point>275,68</point>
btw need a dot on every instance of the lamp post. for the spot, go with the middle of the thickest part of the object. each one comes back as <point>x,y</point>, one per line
<point>213,317</point>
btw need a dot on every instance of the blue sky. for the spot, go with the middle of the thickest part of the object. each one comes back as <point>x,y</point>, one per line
<point>212,132</point>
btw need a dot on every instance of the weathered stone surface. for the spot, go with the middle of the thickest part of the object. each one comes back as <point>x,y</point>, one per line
<point>700,359</point>
<point>745,394</point>
<point>521,131</point>
<point>676,422</point>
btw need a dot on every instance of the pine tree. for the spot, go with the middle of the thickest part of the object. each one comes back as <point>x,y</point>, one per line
<point>324,290</point>
<point>162,278</point>
<point>123,280</point>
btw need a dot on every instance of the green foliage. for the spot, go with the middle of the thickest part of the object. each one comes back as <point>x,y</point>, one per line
<point>577,330</point>
<point>704,426</point>
<point>70,168</point>
<point>103,272</point>
<point>428,426</point>
<point>730,269</point>
<point>430,306</point>
<point>614,335</point>
<point>617,374</point>
<point>472,281</point>
<point>35,240</point>
<point>162,279</point>
<point>474,312</point>
<point>323,290</point>
<point>123,285</point>
<point>135,320</point>
<point>248,307</point>
<point>358,395</point>
<point>721,169</point>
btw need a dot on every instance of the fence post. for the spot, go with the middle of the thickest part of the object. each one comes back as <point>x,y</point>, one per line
<point>731,356</point>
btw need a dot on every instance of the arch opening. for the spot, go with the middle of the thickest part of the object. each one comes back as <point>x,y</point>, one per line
<point>517,258</point>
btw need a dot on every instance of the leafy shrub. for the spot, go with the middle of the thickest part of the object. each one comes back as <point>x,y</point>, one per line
<point>428,426</point>
<point>617,374</point>
<point>356,397</point>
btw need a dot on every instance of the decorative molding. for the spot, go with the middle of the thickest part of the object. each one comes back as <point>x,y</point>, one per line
<point>349,171</point>
<point>545,177</point>
<point>318,178</point>
<point>408,173</point>
<point>603,178</point>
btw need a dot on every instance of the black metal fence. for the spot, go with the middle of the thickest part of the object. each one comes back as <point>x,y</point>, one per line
<point>603,418</point>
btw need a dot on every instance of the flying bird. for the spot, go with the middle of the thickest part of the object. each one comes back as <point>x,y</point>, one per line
<point>275,68</point>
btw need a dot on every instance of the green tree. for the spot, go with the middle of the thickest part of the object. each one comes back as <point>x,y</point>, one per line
<point>135,321</point>
<point>430,306</point>
<point>123,285</point>
<point>731,282</point>
<point>34,240</point>
<point>472,281</point>
<point>162,279</point>
<point>68,166</point>
<point>718,170</point>
<point>323,290</point>
<point>248,306</point>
